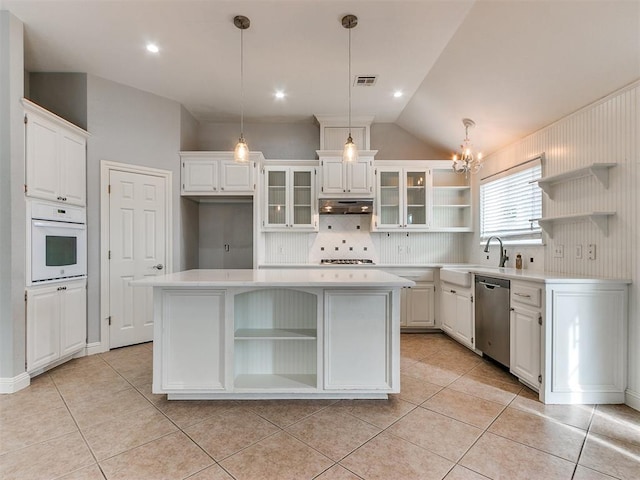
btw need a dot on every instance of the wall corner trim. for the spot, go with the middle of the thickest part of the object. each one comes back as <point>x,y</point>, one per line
<point>632,399</point>
<point>12,385</point>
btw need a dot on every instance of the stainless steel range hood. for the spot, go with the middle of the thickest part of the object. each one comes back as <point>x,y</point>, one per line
<point>344,206</point>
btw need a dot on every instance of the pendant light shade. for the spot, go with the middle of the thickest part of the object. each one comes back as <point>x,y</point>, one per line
<point>350,152</point>
<point>241,152</point>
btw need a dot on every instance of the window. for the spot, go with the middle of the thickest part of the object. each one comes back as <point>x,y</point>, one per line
<point>508,203</point>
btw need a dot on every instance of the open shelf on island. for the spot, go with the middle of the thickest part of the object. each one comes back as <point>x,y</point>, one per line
<point>275,381</point>
<point>275,334</point>
<point>598,170</point>
<point>600,219</point>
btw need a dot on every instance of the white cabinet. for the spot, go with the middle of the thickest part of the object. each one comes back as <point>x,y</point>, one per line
<point>451,197</point>
<point>56,157</point>
<point>402,198</point>
<point>215,173</point>
<point>346,179</point>
<point>525,332</point>
<point>56,322</point>
<point>417,303</point>
<point>456,313</point>
<point>358,343</point>
<point>290,201</point>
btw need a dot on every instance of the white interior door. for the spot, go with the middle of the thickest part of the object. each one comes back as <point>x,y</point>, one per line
<point>137,248</point>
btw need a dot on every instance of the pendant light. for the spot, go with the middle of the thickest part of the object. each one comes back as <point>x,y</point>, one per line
<point>350,153</point>
<point>241,152</point>
<point>468,161</point>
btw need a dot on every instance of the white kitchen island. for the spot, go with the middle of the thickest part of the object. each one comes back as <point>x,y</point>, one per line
<point>277,333</point>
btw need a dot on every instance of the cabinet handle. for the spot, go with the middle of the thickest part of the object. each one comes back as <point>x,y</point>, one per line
<point>525,295</point>
<point>222,188</point>
<point>62,288</point>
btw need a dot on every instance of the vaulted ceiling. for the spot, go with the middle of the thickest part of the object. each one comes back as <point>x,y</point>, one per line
<point>512,66</point>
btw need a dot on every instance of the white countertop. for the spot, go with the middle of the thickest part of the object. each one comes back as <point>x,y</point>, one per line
<point>286,277</point>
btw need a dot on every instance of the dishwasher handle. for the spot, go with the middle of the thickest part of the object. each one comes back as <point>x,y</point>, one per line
<point>489,285</point>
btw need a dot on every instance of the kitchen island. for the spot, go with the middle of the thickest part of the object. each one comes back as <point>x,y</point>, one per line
<point>277,333</point>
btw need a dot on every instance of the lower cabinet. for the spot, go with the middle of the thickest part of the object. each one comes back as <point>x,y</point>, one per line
<point>417,303</point>
<point>525,332</point>
<point>456,313</point>
<point>56,322</point>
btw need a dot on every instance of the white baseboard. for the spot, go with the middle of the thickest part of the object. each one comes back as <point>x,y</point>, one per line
<point>12,385</point>
<point>95,347</point>
<point>632,399</point>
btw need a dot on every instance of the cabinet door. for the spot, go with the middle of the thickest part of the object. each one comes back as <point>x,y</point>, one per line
<point>448,308</point>
<point>236,177</point>
<point>357,349</point>
<point>333,176</point>
<point>416,211</point>
<point>276,202</point>
<point>419,305</point>
<point>73,168</point>
<point>43,327</point>
<point>389,199</point>
<point>73,318</point>
<point>303,199</point>
<point>525,344</point>
<point>464,320</point>
<point>193,340</point>
<point>43,168</point>
<point>359,177</point>
<point>199,175</point>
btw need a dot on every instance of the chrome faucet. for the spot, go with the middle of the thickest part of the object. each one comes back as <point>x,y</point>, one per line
<point>503,256</point>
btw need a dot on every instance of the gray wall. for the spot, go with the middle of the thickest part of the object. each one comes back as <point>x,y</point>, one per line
<point>395,143</point>
<point>65,94</point>
<point>12,204</point>
<point>128,126</point>
<point>226,222</point>
<point>188,209</point>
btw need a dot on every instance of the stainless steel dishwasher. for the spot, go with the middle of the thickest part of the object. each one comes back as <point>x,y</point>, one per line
<point>492,317</point>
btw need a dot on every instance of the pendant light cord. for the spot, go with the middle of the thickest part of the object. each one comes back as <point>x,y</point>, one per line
<point>349,80</point>
<point>241,83</point>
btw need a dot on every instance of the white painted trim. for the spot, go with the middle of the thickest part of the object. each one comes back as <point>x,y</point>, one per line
<point>632,399</point>
<point>105,168</point>
<point>12,385</point>
<point>95,347</point>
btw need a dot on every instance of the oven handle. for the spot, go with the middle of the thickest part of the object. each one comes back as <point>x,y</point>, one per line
<point>75,226</point>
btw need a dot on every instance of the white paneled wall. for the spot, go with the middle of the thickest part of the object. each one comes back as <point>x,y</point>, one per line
<point>606,131</point>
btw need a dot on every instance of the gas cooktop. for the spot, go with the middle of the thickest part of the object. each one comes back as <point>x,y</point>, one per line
<point>346,261</point>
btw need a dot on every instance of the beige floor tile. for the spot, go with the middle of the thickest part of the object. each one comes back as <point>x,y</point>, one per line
<point>278,457</point>
<point>380,413</point>
<point>40,395</point>
<point>461,473</point>
<point>612,457</point>
<point>538,432</point>
<point>388,457</point>
<point>93,389</point>
<point>337,472</point>
<point>416,390</point>
<point>188,412</point>
<point>576,415</point>
<point>617,421</point>
<point>156,399</point>
<point>443,435</point>
<point>466,408</point>
<point>169,457</point>
<point>92,472</point>
<point>487,369</point>
<point>584,473</point>
<point>406,362</point>
<point>47,460</point>
<point>214,472</point>
<point>437,374</point>
<point>127,431</point>
<point>23,430</point>
<point>108,407</point>
<point>497,457</point>
<point>487,388</point>
<point>286,412</point>
<point>333,432</point>
<point>231,431</point>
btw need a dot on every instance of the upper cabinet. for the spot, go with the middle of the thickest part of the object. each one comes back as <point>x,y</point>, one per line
<point>215,173</point>
<point>346,179</point>
<point>402,198</point>
<point>56,157</point>
<point>290,199</point>
<point>451,200</point>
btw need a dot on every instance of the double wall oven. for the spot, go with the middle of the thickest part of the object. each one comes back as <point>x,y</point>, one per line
<point>58,238</point>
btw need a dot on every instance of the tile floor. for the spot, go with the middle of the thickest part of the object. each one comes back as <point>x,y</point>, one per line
<point>458,417</point>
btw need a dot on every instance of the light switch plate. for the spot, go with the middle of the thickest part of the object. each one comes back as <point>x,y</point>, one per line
<point>578,251</point>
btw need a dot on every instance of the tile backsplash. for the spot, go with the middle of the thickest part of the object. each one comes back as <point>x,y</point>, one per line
<point>343,236</point>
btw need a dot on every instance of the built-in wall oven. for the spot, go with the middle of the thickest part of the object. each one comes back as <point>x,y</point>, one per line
<point>58,240</point>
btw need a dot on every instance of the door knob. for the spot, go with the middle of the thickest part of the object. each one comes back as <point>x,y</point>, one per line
<point>158,266</point>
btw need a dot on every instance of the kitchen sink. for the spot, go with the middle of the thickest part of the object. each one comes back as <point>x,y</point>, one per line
<point>461,278</point>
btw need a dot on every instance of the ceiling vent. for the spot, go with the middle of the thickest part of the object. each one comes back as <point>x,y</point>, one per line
<point>365,81</point>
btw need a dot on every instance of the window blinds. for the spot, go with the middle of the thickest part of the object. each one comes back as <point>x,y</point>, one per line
<point>509,203</point>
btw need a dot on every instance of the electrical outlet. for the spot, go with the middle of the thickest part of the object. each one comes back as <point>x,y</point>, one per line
<point>591,251</point>
<point>578,251</point>
<point>558,252</point>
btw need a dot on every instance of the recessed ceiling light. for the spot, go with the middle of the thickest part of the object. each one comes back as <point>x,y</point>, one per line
<point>279,94</point>
<point>153,48</point>
<point>397,94</point>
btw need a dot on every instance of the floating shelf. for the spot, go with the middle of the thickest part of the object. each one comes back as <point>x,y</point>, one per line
<point>599,219</point>
<point>453,187</point>
<point>452,205</point>
<point>275,334</point>
<point>599,170</point>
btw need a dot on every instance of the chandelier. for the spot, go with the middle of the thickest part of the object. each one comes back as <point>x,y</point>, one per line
<point>467,161</point>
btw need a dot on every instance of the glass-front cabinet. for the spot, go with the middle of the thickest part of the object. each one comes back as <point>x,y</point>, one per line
<point>402,200</point>
<point>290,199</point>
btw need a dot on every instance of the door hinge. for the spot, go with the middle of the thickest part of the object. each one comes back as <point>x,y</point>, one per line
<point>109,255</point>
<point>182,164</point>
<point>471,340</point>
<point>539,378</point>
<point>539,319</point>
<point>26,120</point>
<point>109,189</point>
<point>254,164</point>
<point>25,188</point>
<point>109,318</point>
<point>434,288</point>
<point>322,188</point>
<point>471,298</point>
<point>25,295</point>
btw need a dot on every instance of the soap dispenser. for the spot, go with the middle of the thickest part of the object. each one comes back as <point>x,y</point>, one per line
<point>518,262</point>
